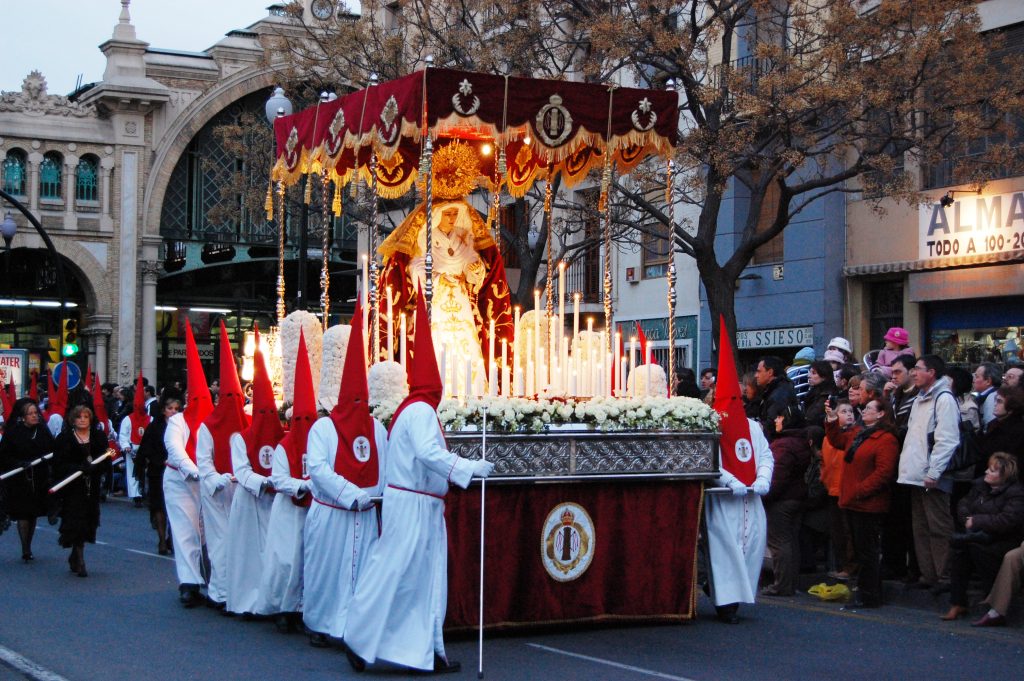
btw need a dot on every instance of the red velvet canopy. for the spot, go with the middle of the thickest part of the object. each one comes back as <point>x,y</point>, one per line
<point>542,125</point>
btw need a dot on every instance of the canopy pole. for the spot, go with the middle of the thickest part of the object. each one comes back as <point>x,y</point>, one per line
<point>549,284</point>
<point>428,257</point>
<point>325,223</point>
<point>605,204</point>
<point>280,253</point>
<point>374,271</point>
<point>671,278</point>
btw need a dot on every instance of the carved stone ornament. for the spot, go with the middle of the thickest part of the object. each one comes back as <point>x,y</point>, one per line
<point>465,90</point>
<point>645,110</point>
<point>554,123</point>
<point>34,101</point>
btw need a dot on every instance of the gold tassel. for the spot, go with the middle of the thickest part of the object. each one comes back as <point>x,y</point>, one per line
<point>308,197</point>
<point>336,204</point>
<point>269,204</point>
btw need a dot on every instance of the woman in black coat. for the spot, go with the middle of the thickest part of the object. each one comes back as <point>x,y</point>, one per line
<point>823,386</point>
<point>1005,433</point>
<point>25,440</point>
<point>149,466</point>
<point>75,450</point>
<point>993,515</point>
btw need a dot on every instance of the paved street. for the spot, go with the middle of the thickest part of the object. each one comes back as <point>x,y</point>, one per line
<point>123,622</point>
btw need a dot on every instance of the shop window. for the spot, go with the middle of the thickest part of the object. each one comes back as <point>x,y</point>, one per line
<point>51,176</point>
<point>14,169</point>
<point>86,179</point>
<point>773,250</point>
<point>968,332</point>
<point>511,217</point>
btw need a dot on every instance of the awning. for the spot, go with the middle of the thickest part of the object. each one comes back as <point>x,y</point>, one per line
<point>935,264</point>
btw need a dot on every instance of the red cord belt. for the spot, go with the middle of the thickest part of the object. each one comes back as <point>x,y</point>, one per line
<point>416,491</point>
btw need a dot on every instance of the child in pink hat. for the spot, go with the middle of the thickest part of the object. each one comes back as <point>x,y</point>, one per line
<point>897,342</point>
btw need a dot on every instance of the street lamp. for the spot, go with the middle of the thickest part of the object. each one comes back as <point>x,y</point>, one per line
<point>8,228</point>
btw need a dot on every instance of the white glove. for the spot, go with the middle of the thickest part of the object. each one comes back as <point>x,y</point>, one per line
<point>221,482</point>
<point>192,476</point>
<point>305,487</point>
<point>362,502</point>
<point>760,487</point>
<point>737,487</point>
<point>482,468</point>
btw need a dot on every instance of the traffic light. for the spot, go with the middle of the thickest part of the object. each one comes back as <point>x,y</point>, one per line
<point>69,340</point>
<point>54,350</point>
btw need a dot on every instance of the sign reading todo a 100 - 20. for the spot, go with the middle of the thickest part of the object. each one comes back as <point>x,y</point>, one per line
<point>973,225</point>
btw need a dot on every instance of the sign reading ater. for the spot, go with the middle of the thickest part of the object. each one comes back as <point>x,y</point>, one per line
<point>14,367</point>
<point>973,225</point>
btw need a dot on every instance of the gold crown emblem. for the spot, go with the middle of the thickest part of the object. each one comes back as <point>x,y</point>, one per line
<point>568,517</point>
<point>455,170</point>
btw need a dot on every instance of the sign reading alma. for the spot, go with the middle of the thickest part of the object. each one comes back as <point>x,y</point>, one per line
<point>973,225</point>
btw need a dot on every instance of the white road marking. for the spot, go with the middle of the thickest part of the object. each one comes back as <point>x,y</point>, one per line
<point>147,553</point>
<point>27,666</point>
<point>610,663</point>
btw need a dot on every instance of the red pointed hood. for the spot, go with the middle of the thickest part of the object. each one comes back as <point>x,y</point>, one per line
<point>8,404</point>
<point>228,417</point>
<point>356,457</point>
<point>99,406</point>
<point>139,418</point>
<point>59,403</point>
<point>265,432</point>
<point>51,394</point>
<point>424,378</point>
<point>199,403</point>
<point>88,378</point>
<point>641,338</point>
<point>735,443</point>
<point>33,390</point>
<point>303,418</point>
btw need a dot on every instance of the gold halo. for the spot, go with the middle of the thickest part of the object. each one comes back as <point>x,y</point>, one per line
<point>455,171</point>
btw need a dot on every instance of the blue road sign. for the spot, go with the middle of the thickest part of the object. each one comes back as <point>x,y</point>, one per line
<point>74,374</point>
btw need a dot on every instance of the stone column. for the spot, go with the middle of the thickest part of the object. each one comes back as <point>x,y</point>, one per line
<point>150,274</point>
<point>34,159</point>
<point>70,187</point>
<point>128,262</point>
<point>98,329</point>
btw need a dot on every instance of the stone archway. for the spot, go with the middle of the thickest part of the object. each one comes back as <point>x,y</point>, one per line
<point>181,132</point>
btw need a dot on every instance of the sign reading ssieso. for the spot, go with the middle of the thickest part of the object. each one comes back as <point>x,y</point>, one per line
<point>775,338</point>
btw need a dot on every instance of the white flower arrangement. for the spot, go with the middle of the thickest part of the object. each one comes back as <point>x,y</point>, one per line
<point>639,375</point>
<point>335,346</point>
<point>517,414</point>
<point>311,329</point>
<point>388,387</point>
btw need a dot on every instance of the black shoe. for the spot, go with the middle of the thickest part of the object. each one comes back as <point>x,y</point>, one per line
<point>216,605</point>
<point>939,589</point>
<point>189,596</point>
<point>727,613</point>
<point>81,570</point>
<point>137,502</point>
<point>357,663</point>
<point>27,556</point>
<point>443,666</point>
<point>318,640</point>
<point>283,624</point>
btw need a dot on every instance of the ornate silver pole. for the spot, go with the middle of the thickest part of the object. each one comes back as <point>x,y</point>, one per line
<point>280,253</point>
<point>428,258</point>
<point>549,285</point>
<point>670,207</point>
<point>374,270</point>
<point>606,182</point>
<point>325,224</point>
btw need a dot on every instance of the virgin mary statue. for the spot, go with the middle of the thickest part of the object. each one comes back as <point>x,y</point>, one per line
<point>468,274</point>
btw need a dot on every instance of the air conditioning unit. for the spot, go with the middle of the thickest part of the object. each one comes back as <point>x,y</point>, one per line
<point>631,275</point>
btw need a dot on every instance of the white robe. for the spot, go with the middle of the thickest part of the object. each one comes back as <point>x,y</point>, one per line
<point>281,583</point>
<point>402,595</point>
<point>737,531</point>
<point>337,541</point>
<point>216,511</point>
<point>56,424</point>
<point>183,507</point>
<point>247,531</point>
<point>124,441</point>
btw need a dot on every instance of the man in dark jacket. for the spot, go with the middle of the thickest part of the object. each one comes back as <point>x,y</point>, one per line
<point>783,504</point>
<point>898,558</point>
<point>777,397</point>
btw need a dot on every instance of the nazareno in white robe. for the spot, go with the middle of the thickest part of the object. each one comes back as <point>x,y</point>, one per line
<point>181,497</point>
<point>337,541</point>
<point>247,531</point>
<point>216,511</point>
<point>737,531</point>
<point>124,441</point>
<point>281,583</point>
<point>399,606</point>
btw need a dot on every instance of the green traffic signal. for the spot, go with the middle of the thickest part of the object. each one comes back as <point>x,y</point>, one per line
<point>69,349</point>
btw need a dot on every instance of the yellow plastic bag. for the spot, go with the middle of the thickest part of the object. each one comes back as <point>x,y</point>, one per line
<point>830,592</point>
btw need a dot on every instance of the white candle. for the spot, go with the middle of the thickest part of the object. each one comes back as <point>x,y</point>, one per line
<point>403,332</point>
<point>573,391</point>
<point>530,377</point>
<point>515,326</point>
<point>444,369</point>
<point>590,328</point>
<point>492,380</point>
<point>647,388</point>
<point>563,365</point>
<point>561,297</point>
<point>504,367</point>
<point>618,354</point>
<point>632,366</point>
<point>391,326</point>
<point>576,314</point>
<point>622,376</point>
<point>592,387</point>
<point>490,346</point>
<point>469,378</point>
<point>517,389</point>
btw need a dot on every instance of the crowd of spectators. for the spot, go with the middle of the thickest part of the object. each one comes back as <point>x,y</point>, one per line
<point>916,478</point>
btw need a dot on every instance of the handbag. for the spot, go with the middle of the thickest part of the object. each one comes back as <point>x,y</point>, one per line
<point>967,454</point>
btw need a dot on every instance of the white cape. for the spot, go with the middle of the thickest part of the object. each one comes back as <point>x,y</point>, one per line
<point>402,595</point>
<point>181,497</point>
<point>216,510</point>
<point>737,532</point>
<point>247,531</point>
<point>281,583</point>
<point>337,541</point>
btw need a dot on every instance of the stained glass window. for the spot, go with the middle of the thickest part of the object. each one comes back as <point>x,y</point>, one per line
<point>86,179</point>
<point>14,172</point>
<point>51,176</point>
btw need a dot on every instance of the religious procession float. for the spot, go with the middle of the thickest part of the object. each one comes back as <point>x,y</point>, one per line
<point>598,479</point>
